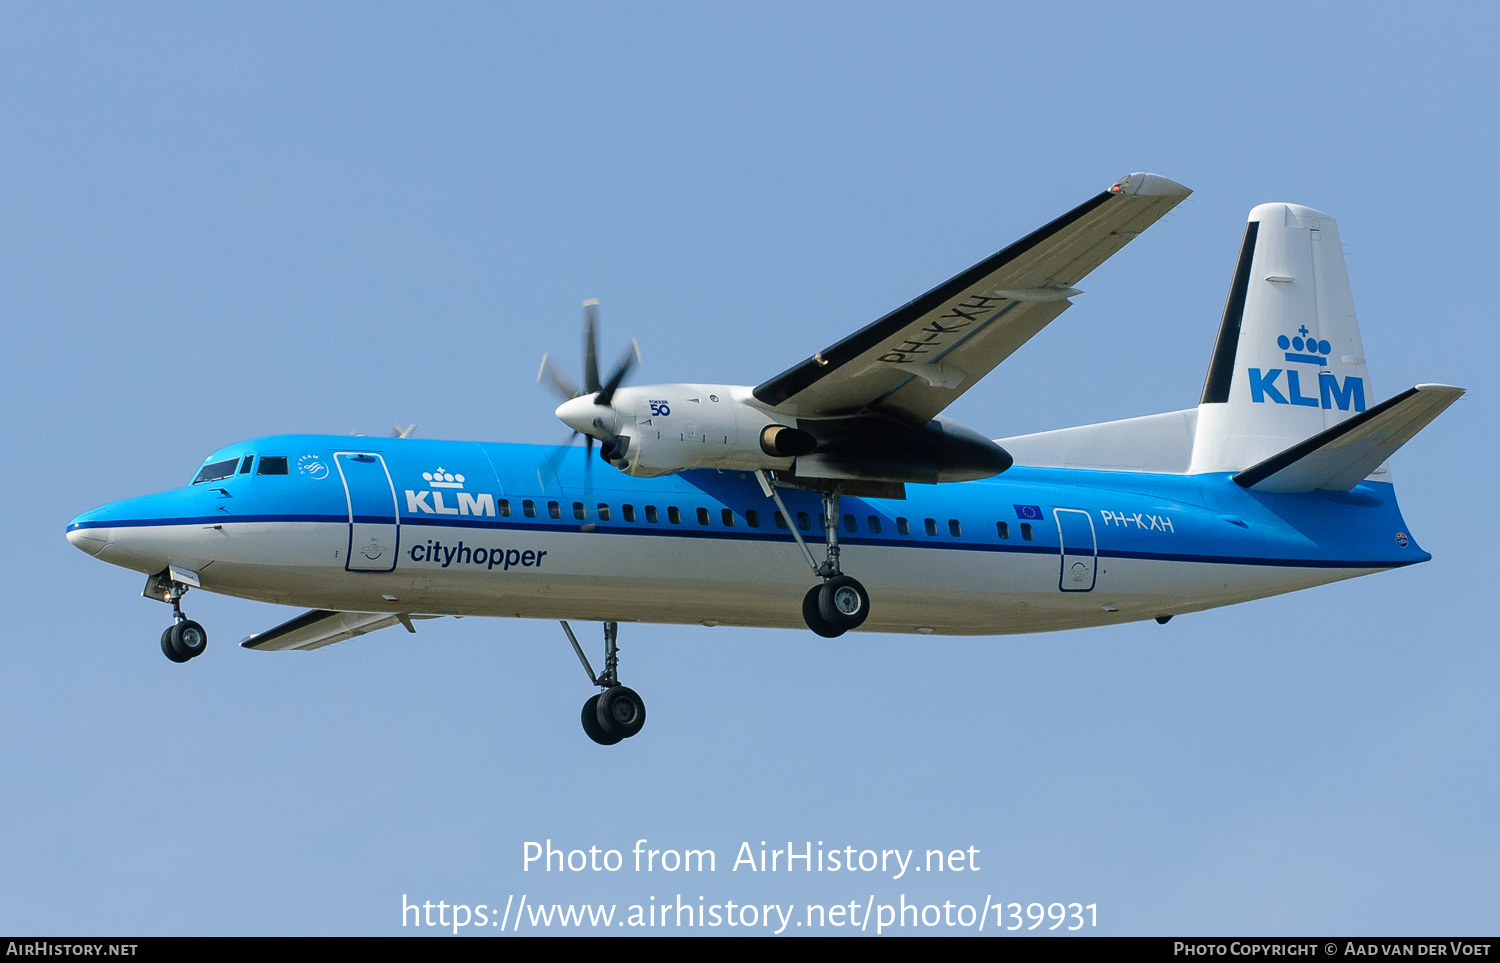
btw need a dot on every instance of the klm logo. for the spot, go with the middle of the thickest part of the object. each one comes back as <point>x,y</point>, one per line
<point>465,504</point>
<point>1270,385</point>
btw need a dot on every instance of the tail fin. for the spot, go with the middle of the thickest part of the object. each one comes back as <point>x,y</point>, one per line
<point>1288,362</point>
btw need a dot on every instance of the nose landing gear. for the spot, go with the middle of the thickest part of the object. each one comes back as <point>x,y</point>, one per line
<point>618,712</point>
<point>184,639</point>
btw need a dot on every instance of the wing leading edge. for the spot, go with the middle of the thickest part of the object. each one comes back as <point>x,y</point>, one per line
<point>913,363</point>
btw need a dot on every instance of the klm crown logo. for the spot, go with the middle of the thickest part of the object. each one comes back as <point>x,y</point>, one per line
<point>1317,351</point>
<point>1270,386</point>
<point>443,479</point>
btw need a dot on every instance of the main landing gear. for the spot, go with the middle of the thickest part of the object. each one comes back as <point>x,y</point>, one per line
<point>840,603</point>
<point>618,712</point>
<point>184,639</point>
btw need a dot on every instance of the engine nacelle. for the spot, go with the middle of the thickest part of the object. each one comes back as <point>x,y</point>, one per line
<point>682,426</point>
<point>871,448</point>
<point>661,429</point>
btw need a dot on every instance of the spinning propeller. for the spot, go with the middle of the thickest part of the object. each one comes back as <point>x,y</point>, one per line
<point>590,412</point>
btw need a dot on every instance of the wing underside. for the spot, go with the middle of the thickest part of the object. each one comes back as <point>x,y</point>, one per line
<point>315,629</point>
<point>912,363</point>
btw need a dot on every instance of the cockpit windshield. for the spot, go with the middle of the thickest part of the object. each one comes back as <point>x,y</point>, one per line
<point>216,471</point>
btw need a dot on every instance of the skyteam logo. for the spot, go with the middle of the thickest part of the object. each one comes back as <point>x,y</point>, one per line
<point>313,467</point>
<point>417,502</point>
<point>1300,349</point>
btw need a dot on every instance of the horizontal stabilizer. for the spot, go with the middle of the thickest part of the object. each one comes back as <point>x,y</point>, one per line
<point>1340,457</point>
<point>312,630</point>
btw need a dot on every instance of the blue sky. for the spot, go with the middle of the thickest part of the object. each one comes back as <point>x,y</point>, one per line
<point>223,221</point>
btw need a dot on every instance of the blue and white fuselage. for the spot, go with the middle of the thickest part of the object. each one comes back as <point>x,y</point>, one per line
<point>360,524</point>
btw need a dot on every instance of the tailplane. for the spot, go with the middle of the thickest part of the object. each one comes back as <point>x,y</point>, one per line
<point>1338,458</point>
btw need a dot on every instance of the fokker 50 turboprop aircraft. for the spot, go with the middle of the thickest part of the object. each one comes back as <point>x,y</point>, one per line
<point>1276,481</point>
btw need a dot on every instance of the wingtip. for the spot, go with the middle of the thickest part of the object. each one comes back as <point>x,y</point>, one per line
<point>1141,184</point>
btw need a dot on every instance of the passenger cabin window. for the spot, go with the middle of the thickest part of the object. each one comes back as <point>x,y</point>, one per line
<point>1026,531</point>
<point>752,518</point>
<point>554,510</point>
<point>780,520</point>
<point>504,506</point>
<point>603,512</point>
<point>651,515</point>
<point>955,529</point>
<point>803,522</point>
<point>902,525</point>
<point>873,523</point>
<point>850,525</point>
<point>702,516</point>
<point>673,515</point>
<point>528,507</point>
<point>931,525</point>
<point>1002,529</point>
<point>579,512</point>
<point>728,517</point>
<point>628,511</point>
<point>245,465</point>
<point>216,471</point>
<point>271,465</point>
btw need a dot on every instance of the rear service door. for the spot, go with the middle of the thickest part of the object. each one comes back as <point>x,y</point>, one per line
<point>374,525</point>
<point>1080,553</point>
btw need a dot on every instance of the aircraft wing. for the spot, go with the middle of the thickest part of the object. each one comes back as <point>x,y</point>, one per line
<point>315,629</point>
<point>912,363</point>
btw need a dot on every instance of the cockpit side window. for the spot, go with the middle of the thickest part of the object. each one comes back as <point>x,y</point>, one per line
<point>272,465</point>
<point>216,471</point>
<point>245,465</point>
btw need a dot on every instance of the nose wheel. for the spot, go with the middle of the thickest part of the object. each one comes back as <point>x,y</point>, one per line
<point>184,639</point>
<point>618,712</point>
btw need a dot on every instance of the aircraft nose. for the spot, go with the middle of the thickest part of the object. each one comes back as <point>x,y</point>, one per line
<point>85,537</point>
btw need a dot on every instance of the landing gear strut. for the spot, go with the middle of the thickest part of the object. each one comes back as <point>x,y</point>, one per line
<point>840,603</point>
<point>618,712</point>
<point>184,639</point>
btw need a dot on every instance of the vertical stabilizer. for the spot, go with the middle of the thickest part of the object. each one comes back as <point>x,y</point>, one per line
<point>1288,362</point>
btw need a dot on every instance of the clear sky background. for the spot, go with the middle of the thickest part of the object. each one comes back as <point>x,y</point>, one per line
<point>223,221</point>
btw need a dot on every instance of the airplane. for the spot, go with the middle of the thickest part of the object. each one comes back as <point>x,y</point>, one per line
<point>1276,481</point>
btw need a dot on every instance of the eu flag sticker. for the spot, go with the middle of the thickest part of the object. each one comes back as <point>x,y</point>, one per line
<point>1029,511</point>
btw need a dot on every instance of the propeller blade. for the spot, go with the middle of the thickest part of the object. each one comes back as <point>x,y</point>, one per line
<point>591,346</point>
<point>398,432</point>
<point>553,376</point>
<point>556,455</point>
<point>607,394</point>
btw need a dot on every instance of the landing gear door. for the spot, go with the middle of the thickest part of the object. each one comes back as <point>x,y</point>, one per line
<point>374,525</point>
<point>1080,551</point>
